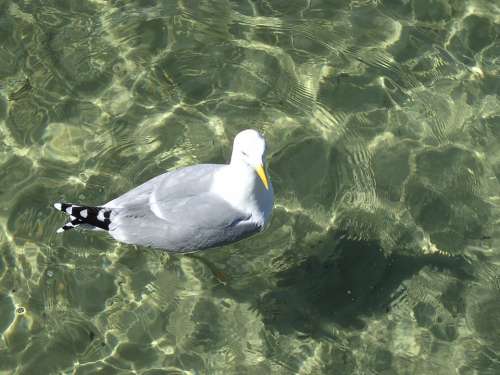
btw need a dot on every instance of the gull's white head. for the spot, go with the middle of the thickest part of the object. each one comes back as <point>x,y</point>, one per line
<point>250,147</point>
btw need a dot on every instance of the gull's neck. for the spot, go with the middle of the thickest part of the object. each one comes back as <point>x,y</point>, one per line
<point>239,185</point>
<point>235,182</point>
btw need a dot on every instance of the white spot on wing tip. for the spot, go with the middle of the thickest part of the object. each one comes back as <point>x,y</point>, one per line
<point>60,230</point>
<point>100,215</point>
<point>69,210</point>
<point>84,214</point>
<point>58,206</point>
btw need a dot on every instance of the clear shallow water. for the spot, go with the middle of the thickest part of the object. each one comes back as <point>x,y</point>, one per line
<point>383,121</point>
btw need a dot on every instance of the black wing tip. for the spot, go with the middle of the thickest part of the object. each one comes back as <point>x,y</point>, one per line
<point>98,217</point>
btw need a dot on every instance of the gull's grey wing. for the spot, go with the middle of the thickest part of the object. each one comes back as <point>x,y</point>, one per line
<point>171,185</point>
<point>182,184</point>
<point>138,195</point>
<point>188,223</point>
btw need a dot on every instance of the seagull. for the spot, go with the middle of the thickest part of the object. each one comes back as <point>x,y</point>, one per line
<point>192,208</point>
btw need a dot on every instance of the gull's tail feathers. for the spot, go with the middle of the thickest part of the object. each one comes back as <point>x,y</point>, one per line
<point>96,217</point>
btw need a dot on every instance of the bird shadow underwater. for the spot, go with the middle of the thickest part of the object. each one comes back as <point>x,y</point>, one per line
<point>346,281</point>
<point>360,282</point>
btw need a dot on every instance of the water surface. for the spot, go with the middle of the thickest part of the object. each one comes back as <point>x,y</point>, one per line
<point>383,123</point>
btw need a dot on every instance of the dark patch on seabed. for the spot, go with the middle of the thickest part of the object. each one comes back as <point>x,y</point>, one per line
<point>382,118</point>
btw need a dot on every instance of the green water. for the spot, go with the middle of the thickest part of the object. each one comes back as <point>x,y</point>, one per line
<point>383,124</point>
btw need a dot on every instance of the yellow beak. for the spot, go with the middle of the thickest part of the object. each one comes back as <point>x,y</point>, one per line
<point>262,174</point>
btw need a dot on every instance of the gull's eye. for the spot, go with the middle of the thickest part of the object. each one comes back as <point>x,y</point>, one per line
<point>244,153</point>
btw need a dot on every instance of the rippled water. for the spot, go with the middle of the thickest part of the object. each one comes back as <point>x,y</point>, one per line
<point>383,119</point>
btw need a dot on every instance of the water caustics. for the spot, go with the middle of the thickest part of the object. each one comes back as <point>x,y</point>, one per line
<point>382,123</point>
